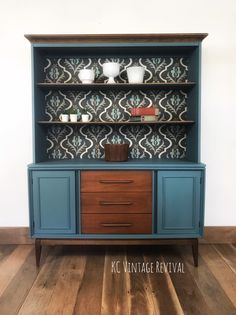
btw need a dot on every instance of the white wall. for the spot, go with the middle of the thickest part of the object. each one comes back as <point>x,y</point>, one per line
<point>125,16</point>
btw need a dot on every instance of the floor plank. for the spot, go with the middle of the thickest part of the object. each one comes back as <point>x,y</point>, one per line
<point>10,266</point>
<point>142,300</point>
<point>115,294</point>
<point>70,275</point>
<point>40,294</point>
<point>89,298</point>
<point>228,253</point>
<point>16,292</point>
<point>221,270</point>
<point>214,295</point>
<point>5,251</point>
<point>162,287</point>
<point>190,296</point>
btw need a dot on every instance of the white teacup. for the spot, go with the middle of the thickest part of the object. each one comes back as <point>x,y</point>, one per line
<point>64,117</point>
<point>87,76</point>
<point>73,117</point>
<point>86,118</point>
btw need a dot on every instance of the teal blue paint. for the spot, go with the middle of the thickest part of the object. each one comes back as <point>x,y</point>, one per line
<point>39,133</point>
<point>176,183</point>
<point>92,164</point>
<point>178,202</point>
<point>78,201</point>
<point>202,201</point>
<point>199,100</point>
<point>30,201</point>
<point>183,194</point>
<point>154,203</point>
<point>54,202</point>
<point>107,45</point>
<point>33,102</point>
<point>116,236</point>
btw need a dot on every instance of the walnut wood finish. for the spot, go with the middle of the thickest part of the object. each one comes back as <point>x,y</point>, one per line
<point>38,249</point>
<point>113,181</point>
<point>116,152</point>
<point>127,202</point>
<point>195,252</point>
<point>116,223</point>
<point>122,242</point>
<point>98,38</point>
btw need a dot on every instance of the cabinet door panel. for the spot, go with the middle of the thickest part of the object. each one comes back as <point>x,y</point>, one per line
<point>54,202</point>
<point>178,202</point>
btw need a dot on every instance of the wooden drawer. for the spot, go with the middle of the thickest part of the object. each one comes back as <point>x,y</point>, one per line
<point>116,181</point>
<point>116,223</point>
<point>114,202</point>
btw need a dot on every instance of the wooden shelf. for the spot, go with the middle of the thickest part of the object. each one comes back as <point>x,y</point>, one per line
<point>116,85</point>
<point>172,122</point>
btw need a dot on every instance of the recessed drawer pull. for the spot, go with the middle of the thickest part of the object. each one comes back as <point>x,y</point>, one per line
<point>115,203</point>
<point>116,224</point>
<point>115,181</point>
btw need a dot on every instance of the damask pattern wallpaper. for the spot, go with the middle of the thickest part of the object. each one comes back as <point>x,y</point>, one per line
<point>113,105</point>
<point>157,69</point>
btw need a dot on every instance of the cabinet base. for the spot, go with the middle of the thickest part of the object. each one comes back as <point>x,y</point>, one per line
<point>186,241</point>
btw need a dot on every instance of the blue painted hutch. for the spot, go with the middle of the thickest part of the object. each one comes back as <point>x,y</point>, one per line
<point>157,196</point>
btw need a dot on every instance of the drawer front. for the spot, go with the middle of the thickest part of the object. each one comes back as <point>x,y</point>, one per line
<point>131,202</point>
<point>113,181</point>
<point>116,223</point>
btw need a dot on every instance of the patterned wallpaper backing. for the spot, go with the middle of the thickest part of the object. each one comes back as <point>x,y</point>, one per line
<point>111,105</point>
<point>158,69</point>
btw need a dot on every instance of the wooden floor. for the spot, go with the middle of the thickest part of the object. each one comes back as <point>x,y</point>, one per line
<point>80,280</point>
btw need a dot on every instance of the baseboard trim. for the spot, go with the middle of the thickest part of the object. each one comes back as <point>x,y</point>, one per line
<point>212,235</point>
<point>219,235</point>
<point>15,235</point>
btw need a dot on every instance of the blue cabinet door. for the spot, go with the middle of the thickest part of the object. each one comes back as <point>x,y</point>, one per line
<point>53,202</point>
<point>179,203</point>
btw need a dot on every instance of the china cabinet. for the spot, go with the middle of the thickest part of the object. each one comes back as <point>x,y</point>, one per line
<point>157,196</point>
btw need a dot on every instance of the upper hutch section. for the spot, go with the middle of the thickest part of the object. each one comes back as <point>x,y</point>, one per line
<point>171,84</point>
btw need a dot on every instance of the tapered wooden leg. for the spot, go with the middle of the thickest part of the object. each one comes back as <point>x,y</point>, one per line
<point>38,248</point>
<point>195,252</point>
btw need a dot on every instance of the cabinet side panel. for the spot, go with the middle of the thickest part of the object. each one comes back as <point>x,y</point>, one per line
<point>38,100</point>
<point>194,99</point>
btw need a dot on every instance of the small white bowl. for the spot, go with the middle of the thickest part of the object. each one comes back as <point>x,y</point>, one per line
<point>111,70</point>
<point>87,76</point>
<point>135,74</point>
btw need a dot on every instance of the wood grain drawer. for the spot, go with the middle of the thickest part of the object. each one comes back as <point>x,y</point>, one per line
<point>116,181</point>
<point>114,202</point>
<point>116,223</point>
